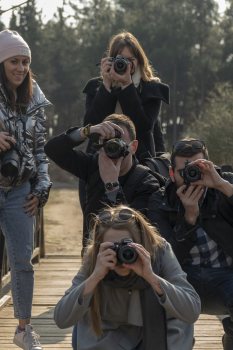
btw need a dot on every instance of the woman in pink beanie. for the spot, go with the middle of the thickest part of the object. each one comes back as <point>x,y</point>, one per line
<point>24,180</point>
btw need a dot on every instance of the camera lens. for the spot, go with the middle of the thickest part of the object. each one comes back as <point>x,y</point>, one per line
<point>120,65</point>
<point>192,173</point>
<point>113,149</point>
<point>127,254</point>
<point>116,148</point>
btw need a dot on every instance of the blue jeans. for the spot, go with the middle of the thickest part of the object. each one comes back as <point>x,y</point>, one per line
<point>215,288</point>
<point>18,229</point>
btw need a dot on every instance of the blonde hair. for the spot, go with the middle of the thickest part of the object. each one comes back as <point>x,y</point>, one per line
<point>141,231</point>
<point>125,39</point>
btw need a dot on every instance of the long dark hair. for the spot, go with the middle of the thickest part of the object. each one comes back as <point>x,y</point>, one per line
<point>126,39</point>
<point>24,91</point>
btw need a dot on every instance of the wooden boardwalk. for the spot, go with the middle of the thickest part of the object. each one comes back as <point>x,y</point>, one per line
<point>52,277</point>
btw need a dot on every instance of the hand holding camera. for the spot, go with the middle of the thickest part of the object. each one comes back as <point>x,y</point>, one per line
<point>202,172</point>
<point>121,70</point>
<point>6,141</point>
<point>116,69</point>
<point>113,168</point>
<point>106,260</point>
<point>10,156</point>
<point>198,175</point>
<point>125,253</point>
<point>211,177</point>
<point>106,130</point>
<point>190,197</point>
<point>138,259</point>
<point>106,65</point>
<point>109,138</point>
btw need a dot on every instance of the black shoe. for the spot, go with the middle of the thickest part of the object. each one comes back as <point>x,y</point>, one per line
<point>227,342</point>
<point>228,326</point>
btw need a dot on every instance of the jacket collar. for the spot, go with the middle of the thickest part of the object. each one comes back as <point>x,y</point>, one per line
<point>38,99</point>
<point>170,201</point>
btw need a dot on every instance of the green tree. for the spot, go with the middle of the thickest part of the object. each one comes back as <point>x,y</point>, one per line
<point>95,22</point>
<point>216,124</point>
<point>226,71</point>
<point>187,42</point>
<point>27,21</point>
<point>62,72</point>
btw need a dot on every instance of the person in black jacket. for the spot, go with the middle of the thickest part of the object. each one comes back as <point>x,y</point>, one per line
<point>194,212</point>
<point>109,180</point>
<point>128,85</point>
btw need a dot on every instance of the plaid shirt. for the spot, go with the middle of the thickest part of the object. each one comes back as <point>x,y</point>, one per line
<point>207,253</point>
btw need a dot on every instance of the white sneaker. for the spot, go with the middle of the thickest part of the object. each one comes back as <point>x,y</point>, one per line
<point>28,339</point>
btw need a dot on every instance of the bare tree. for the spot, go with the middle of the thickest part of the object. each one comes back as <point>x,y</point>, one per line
<point>13,7</point>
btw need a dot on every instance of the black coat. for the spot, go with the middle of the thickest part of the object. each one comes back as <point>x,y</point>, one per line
<point>136,186</point>
<point>216,218</point>
<point>141,104</point>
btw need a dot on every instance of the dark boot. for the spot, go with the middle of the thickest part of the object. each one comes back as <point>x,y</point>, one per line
<point>227,342</point>
<point>227,339</point>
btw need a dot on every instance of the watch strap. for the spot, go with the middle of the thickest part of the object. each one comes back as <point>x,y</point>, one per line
<point>86,130</point>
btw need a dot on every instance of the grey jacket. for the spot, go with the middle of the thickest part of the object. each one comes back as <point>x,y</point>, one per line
<point>29,132</point>
<point>121,315</point>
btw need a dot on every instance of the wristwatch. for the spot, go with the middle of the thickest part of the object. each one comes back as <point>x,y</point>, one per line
<point>86,130</point>
<point>110,186</point>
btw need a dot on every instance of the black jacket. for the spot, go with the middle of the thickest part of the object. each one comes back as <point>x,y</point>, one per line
<point>136,186</point>
<point>141,104</point>
<point>216,218</point>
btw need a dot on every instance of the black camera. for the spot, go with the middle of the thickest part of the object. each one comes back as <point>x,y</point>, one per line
<point>125,253</point>
<point>190,173</point>
<point>10,162</point>
<point>120,64</point>
<point>115,148</point>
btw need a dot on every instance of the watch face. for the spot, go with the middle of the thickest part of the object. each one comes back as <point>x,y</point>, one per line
<point>108,186</point>
<point>111,185</point>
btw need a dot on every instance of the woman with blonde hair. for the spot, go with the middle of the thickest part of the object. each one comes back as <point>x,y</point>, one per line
<point>130,292</point>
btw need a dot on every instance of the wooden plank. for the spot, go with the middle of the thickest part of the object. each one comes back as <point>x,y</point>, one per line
<point>4,300</point>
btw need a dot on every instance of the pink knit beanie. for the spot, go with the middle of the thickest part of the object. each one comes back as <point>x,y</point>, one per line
<point>12,44</point>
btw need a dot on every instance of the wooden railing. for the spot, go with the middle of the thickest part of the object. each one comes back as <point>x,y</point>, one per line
<point>38,252</point>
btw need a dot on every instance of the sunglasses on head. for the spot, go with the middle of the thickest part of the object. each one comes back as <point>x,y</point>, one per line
<point>120,216</point>
<point>186,146</point>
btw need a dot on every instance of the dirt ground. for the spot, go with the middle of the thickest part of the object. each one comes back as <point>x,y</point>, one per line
<point>63,222</point>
